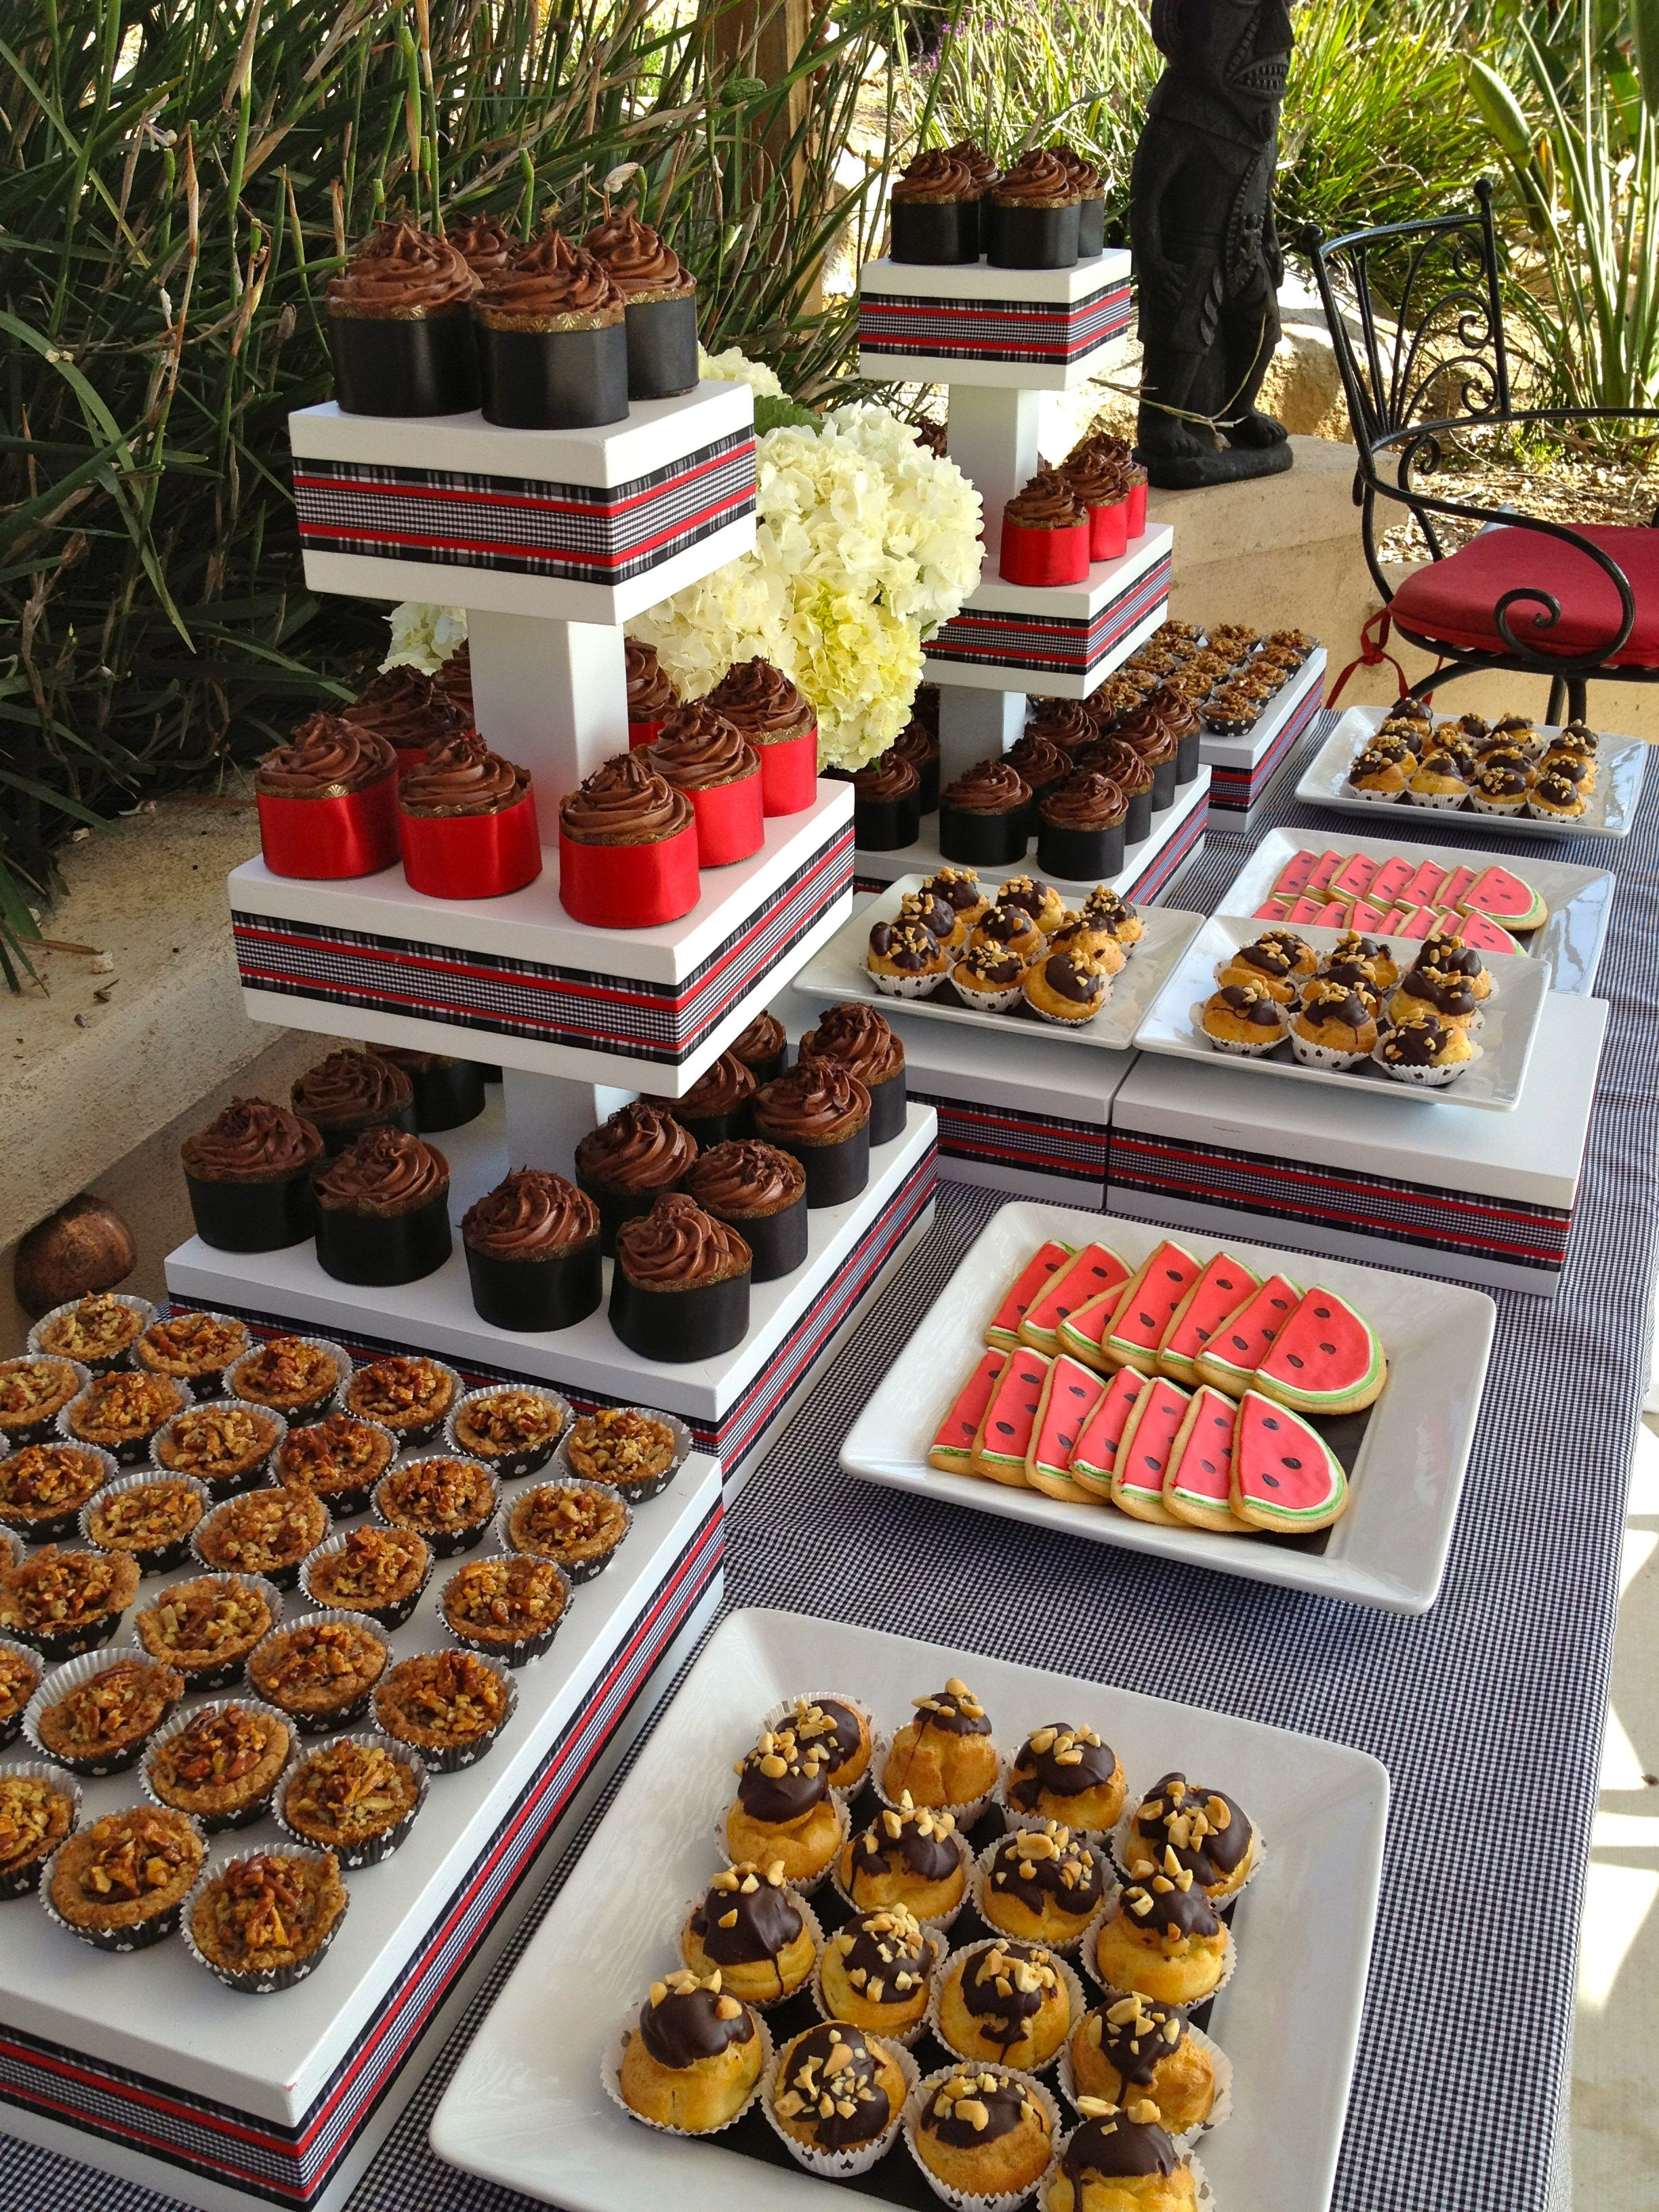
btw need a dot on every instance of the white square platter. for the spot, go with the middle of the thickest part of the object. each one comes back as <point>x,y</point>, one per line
<point>1608,813</point>
<point>1493,1081</point>
<point>837,971</point>
<point>526,2108</point>
<point>1389,1547</point>
<point>1577,898</point>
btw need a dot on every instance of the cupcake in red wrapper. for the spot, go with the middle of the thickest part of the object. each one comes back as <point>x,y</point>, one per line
<point>1045,534</point>
<point>652,695</point>
<point>552,341</point>
<point>383,1210</point>
<point>780,724</point>
<point>703,754</point>
<point>1100,484</point>
<point>659,295</point>
<point>454,680</point>
<point>984,817</point>
<point>679,1290</point>
<point>328,802</point>
<point>405,706</point>
<point>400,323</point>
<point>1120,451</point>
<point>627,847</point>
<point>467,819</point>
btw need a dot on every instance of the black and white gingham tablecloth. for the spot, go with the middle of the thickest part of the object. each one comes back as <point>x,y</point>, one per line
<point>1487,1712</point>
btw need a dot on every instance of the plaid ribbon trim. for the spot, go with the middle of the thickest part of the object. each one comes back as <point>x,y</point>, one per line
<point>993,330</point>
<point>1004,1137</point>
<point>289,2165</point>
<point>1161,870</point>
<point>502,997</point>
<point>1405,1212</point>
<point>579,532</point>
<point>1240,787</point>
<point>1057,644</point>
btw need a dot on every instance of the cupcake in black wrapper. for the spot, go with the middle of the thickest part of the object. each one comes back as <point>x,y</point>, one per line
<point>448,1092</point>
<point>886,804</point>
<point>1170,711</point>
<point>383,1210</point>
<point>1042,763</point>
<point>720,1104</point>
<point>680,1288</point>
<point>862,1040</point>
<point>1155,745</point>
<point>763,1048</point>
<point>659,296</point>
<point>934,211</point>
<point>351,1091</point>
<point>552,341</point>
<point>1066,723</point>
<point>820,1111</point>
<point>918,744</point>
<point>1133,777</point>
<point>762,1192</point>
<point>248,1175</point>
<point>629,1162</point>
<point>484,243</point>
<point>400,325</point>
<point>984,816</point>
<point>1034,212</point>
<point>532,1252</point>
<point>1091,201</point>
<point>1081,831</point>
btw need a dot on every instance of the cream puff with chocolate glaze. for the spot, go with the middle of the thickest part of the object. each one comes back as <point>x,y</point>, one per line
<point>1042,1884</point>
<point>944,1756</point>
<point>981,2132</point>
<point>1128,2049</point>
<point>1209,1834</point>
<point>783,1812</point>
<point>961,890</point>
<point>842,1728</point>
<point>1120,2160</point>
<point>1267,965</point>
<point>749,1927</point>
<point>1041,901</point>
<point>1108,909</point>
<point>834,2090</point>
<point>1162,1940</point>
<point>1008,929</point>
<point>1066,1773</point>
<point>876,1972</point>
<point>693,2057</point>
<point>1006,2002</point>
<point>1093,941</point>
<point>909,1855</point>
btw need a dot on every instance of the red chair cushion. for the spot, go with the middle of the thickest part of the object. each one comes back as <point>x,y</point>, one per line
<point>1451,601</point>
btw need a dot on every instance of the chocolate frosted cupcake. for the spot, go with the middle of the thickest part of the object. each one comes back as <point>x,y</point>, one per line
<point>248,1175</point>
<point>454,680</point>
<point>1034,215</point>
<point>484,243</point>
<point>1066,723</point>
<point>680,1288</point>
<point>627,847</point>
<point>762,1192</point>
<point>934,211</point>
<point>349,1092</point>
<point>1090,198</point>
<point>1045,534</point>
<point>532,1252</point>
<point>448,1092</point>
<point>400,323</point>
<point>1042,763</point>
<point>552,341</point>
<point>651,693</point>
<point>405,706</point>
<point>1080,827</point>
<point>1134,776</point>
<point>630,1160</point>
<point>383,1210</point>
<point>327,802</point>
<point>701,754</point>
<point>782,725</point>
<point>1100,484</point>
<point>862,1040</point>
<point>887,803</point>
<point>467,823</point>
<point>763,1048</point>
<point>1165,714</point>
<point>659,297</point>
<point>718,1104</point>
<point>820,1111</point>
<point>983,816</point>
<point>918,744</point>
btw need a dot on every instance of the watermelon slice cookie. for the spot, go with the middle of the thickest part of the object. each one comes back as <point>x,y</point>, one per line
<point>952,1449</point>
<point>1326,1360</point>
<point>1145,1450</point>
<point>1146,1305</point>
<point>1285,1476</point>
<point>1240,1345</point>
<point>1390,880</point>
<point>1004,1435</point>
<point>1198,1481</point>
<point>1070,1393</point>
<point>1509,901</point>
<point>1293,878</point>
<point>1485,934</point>
<point>1221,1290</point>
<point>1089,1273</point>
<point>1095,1460</point>
<point>1002,1330</point>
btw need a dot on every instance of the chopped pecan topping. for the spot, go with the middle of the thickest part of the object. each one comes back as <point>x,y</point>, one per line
<point>619,1441</point>
<point>512,1420</point>
<point>337,1454</point>
<point>193,1343</point>
<point>264,1528</point>
<point>217,1440</point>
<point>372,1565</point>
<point>220,1746</point>
<point>34,1817</point>
<point>32,1389</point>
<point>134,1854</point>
<point>148,1514</point>
<point>451,1696</point>
<point>559,1517</point>
<point>55,1588</point>
<point>285,1372</point>
<point>125,1699</point>
<point>402,1392</point>
<point>261,1910</point>
<point>127,1405</point>
<point>321,1655</point>
<point>45,1479</point>
<point>516,1595</point>
<point>440,1493</point>
<point>97,1329</point>
<point>351,1790</point>
<point>205,1616</point>
<point>18,1683</point>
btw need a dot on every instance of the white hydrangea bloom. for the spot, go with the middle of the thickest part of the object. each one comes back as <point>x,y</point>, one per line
<point>423,636</point>
<point>733,367</point>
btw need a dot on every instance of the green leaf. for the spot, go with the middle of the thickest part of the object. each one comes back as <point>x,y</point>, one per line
<point>772,414</point>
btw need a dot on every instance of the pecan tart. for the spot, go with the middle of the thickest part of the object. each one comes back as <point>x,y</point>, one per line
<point>450,1501</point>
<point>512,1430</point>
<point>631,1449</point>
<point>264,1532</point>
<point>294,1375</point>
<point>33,1394</point>
<point>20,1672</point>
<point>357,1798</point>
<point>98,1714</point>
<point>221,1764</point>
<point>264,1922</point>
<point>43,1488</point>
<point>224,1444</point>
<point>37,1810</point>
<point>339,1460</point>
<point>510,1608</point>
<point>63,1603</point>
<point>378,1572</point>
<point>194,1348</point>
<point>119,1412</point>
<point>122,1883</point>
<point>150,1518</point>
<point>409,1395</point>
<point>321,1671</point>
<point>580,1524</point>
<point>99,1331</point>
<point>448,1706</point>
<point>207,1626</point>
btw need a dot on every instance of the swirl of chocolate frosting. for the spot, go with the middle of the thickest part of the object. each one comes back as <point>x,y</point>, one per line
<point>329,756</point>
<point>691,2020</point>
<point>251,1140</point>
<point>781,1779</point>
<point>1038,179</point>
<point>405,706</point>
<point>531,1214</point>
<point>887,1955</point>
<point>402,274</point>
<point>651,693</point>
<point>1420,1043</point>
<point>384,1170</point>
<point>1208,1831</point>
<point>991,786</point>
<point>639,1148</point>
<point>725,1085</point>
<point>454,680</point>
<point>676,1243</point>
<point>744,1176</point>
<point>964,2109</point>
<point>697,749</point>
<point>1066,723</point>
<point>830,2086</point>
<point>1130,770</point>
<point>1039,760</point>
<point>860,1038</point>
<point>547,280</point>
<point>938,174</point>
<point>1136,2036</point>
<point>1040,1767</point>
<point>1097,479</point>
<point>1323,1000</point>
<point>1170,705</point>
<point>1046,502</point>
<point>345,1085</point>
<point>915,743</point>
<point>1154,741</point>
<point>925,1843</point>
<point>746,1915</point>
<point>1048,1866</point>
<point>625,802</point>
<point>1085,177</point>
<point>484,242</point>
<point>760,699</point>
<point>763,1039</point>
<point>1006,1986</point>
<point>637,259</point>
<point>908,946</point>
<point>1110,2146</point>
<point>815,1100</point>
<point>889,776</point>
<point>979,164</point>
<point>462,777</point>
<point>1086,801</point>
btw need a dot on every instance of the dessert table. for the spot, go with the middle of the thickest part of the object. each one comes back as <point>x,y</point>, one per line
<point>1486,1711</point>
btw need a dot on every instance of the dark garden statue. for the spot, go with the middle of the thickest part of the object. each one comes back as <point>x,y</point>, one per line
<point>1206,255</point>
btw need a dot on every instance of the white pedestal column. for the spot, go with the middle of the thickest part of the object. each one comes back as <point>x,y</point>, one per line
<point>992,437</point>
<point>548,1116</point>
<point>975,726</point>
<point>551,695</point>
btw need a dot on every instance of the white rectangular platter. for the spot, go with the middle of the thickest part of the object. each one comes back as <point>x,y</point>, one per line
<point>1577,898</point>
<point>1608,812</point>
<point>526,2108</point>
<point>1389,1547</point>
<point>1493,1081</point>
<point>837,971</point>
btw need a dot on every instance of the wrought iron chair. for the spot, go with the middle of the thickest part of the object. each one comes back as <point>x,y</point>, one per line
<point>1525,595</point>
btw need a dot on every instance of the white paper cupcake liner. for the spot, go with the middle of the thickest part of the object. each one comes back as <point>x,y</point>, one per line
<point>339,1720</point>
<point>36,1338</point>
<point>214,1824</point>
<point>12,1727</point>
<point>152,1558</point>
<point>345,1500</point>
<point>810,1920</point>
<point>266,1981</point>
<point>635,1493</point>
<point>1234,1049</point>
<point>1091,1965</point>
<point>69,1677</point>
<point>452,1759</point>
<point>1373,798</point>
<point>313,1409</point>
<point>1442,802</point>
<point>22,1881</point>
<point>844,2164</point>
<point>1068,1021</point>
<point>219,1673</point>
<point>990,1002</point>
<point>1322,1055</point>
<point>938,1951</point>
<point>781,1715</point>
<point>156,1929</point>
<point>372,1849</point>
<point>610,2064</point>
<point>804,1886</point>
<point>282,1578</point>
<point>906,986</point>
<point>391,1614</point>
<point>577,1570</point>
<point>1077,2003</point>
<point>981,1876</point>
<point>962,2200</point>
<point>1510,807</point>
<point>211,1383</point>
<point>1427,1079</point>
<point>11,1547</point>
<point>509,1465</point>
<point>964,1815</point>
<point>221,1486</point>
<point>1118,1861</point>
<point>1221,2105</point>
<point>131,1451</point>
<point>22,1530</point>
<point>42,1428</point>
<point>938,1924</point>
